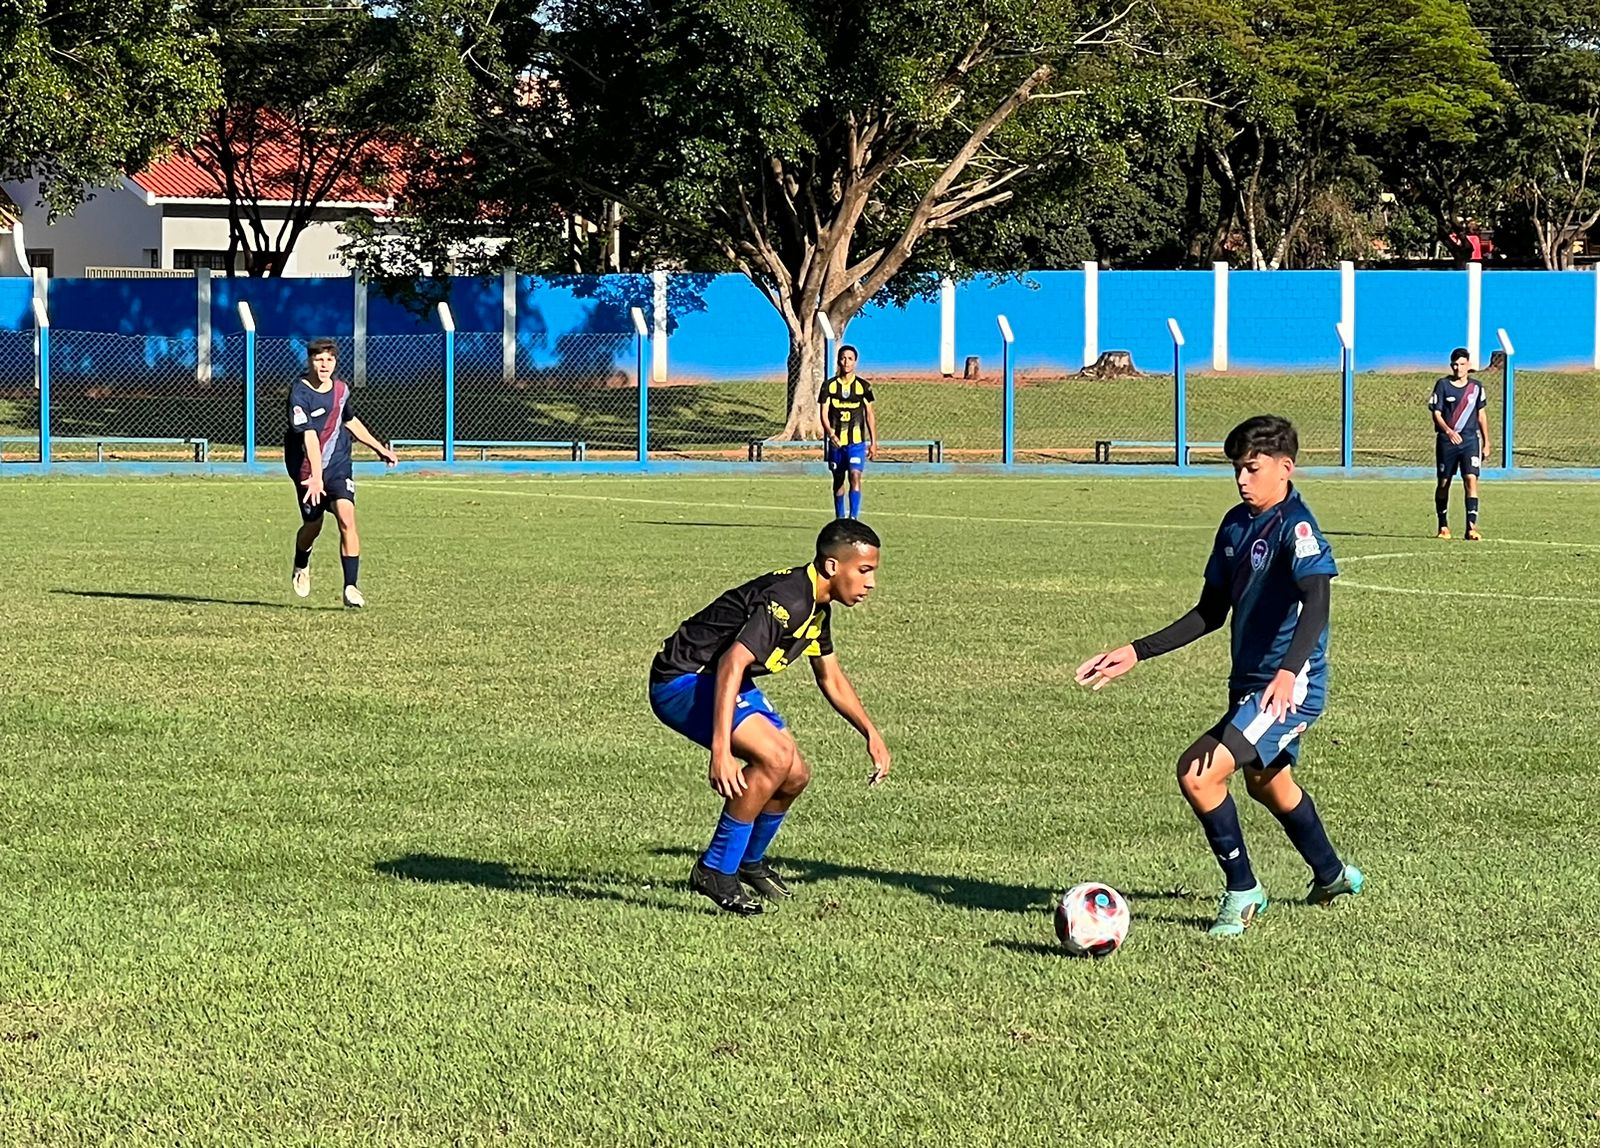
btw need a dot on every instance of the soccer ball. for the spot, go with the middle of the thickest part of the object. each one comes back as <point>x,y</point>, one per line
<point>1091,920</point>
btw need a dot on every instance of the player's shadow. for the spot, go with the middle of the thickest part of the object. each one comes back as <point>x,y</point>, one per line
<point>437,869</point>
<point>185,599</point>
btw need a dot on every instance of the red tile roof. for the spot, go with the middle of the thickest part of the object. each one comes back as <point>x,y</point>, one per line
<point>271,173</point>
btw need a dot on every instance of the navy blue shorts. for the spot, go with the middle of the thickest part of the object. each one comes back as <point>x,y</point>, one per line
<point>1277,743</point>
<point>850,456</point>
<point>334,487</point>
<point>684,705</point>
<point>1466,458</point>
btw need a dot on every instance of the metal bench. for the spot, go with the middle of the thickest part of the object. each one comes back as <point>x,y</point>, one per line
<point>759,446</point>
<point>202,446</point>
<point>579,450</point>
<point>1104,446</point>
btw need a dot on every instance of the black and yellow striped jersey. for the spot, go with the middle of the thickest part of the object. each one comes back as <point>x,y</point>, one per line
<point>847,397</point>
<point>776,617</point>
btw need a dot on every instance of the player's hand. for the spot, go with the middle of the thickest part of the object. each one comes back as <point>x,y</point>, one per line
<point>727,775</point>
<point>1278,699</point>
<point>386,452</point>
<point>872,451</point>
<point>1455,439</point>
<point>314,489</point>
<point>1099,670</point>
<point>879,753</point>
<point>1484,452</point>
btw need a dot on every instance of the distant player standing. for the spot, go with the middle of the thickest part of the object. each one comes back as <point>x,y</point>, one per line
<point>851,428</point>
<point>701,687</point>
<point>316,453</point>
<point>1462,438</point>
<point>1273,568</point>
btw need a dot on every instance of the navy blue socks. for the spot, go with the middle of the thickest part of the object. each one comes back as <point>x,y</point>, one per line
<point>1310,839</point>
<point>352,566</point>
<point>1227,842</point>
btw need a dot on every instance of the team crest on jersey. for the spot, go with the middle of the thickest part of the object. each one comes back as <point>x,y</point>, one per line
<point>778,612</point>
<point>299,415</point>
<point>1305,542</point>
<point>1258,554</point>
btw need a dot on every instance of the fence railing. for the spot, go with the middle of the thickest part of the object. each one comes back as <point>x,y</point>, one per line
<point>456,396</point>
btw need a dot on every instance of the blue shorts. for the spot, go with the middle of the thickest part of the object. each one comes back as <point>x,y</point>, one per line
<point>334,486</point>
<point>850,456</point>
<point>1466,457</point>
<point>684,705</point>
<point>1277,743</point>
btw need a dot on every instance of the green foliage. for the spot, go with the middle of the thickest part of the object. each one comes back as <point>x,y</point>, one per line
<point>90,88</point>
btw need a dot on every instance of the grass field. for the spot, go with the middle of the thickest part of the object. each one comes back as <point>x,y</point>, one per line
<point>271,872</point>
<point>1057,420</point>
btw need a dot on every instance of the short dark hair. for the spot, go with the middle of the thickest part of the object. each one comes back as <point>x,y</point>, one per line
<point>851,348</point>
<point>1271,435</point>
<point>842,534</point>
<point>1460,353</point>
<point>321,346</point>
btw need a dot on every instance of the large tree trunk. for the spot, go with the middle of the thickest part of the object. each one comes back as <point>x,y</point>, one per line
<point>807,373</point>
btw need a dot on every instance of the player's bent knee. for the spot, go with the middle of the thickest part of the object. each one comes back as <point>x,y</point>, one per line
<point>798,777</point>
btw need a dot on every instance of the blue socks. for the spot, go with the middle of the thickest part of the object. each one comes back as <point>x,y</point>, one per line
<point>761,835</point>
<point>1441,504</point>
<point>352,566</point>
<point>855,503</point>
<point>838,506</point>
<point>1310,839</point>
<point>728,844</point>
<point>1227,842</point>
<point>1472,512</point>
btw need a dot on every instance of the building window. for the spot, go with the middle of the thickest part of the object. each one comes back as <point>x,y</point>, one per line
<point>43,257</point>
<point>153,255</point>
<point>190,260</point>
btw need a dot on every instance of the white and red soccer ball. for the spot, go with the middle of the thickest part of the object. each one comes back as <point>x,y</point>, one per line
<point>1092,920</point>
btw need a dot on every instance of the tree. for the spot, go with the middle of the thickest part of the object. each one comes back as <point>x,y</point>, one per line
<point>827,149</point>
<point>320,101</point>
<point>91,88</point>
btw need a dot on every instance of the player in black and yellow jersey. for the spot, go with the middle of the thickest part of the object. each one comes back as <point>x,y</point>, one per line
<point>701,686</point>
<point>851,428</point>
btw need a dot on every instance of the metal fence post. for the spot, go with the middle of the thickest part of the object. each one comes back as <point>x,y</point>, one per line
<point>41,317</point>
<point>249,321</point>
<point>1347,400</point>
<point>1508,437</point>
<point>828,340</point>
<point>641,340</point>
<point>1008,388</point>
<point>448,321</point>
<point>1180,398</point>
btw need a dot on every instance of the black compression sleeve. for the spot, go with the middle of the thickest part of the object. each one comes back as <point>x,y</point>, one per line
<point>1316,590</point>
<point>1208,614</point>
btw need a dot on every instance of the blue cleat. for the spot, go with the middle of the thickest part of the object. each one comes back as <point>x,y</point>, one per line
<point>1351,882</point>
<point>1237,909</point>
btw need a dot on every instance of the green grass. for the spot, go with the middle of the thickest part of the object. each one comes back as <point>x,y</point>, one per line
<point>1057,420</point>
<point>276,873</point>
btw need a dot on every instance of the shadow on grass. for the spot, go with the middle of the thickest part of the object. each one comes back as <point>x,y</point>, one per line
<point>186,599</point>
<point>437,869</point>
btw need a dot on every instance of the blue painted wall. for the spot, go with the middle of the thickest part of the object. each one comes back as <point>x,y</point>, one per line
<point>1282,320</point>
<point>723,328</point>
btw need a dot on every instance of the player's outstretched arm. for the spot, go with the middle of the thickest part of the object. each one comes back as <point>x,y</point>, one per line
<point>726,774</point>
<point>313,481</point>
<point>359,431</point>
<point>842,696</point>
<point>1208,614</point>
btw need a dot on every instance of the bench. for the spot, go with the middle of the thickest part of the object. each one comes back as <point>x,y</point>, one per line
<point>579,450</point>
<point>1104,446</point>
<point>202,446</point>
<point>759,446</point>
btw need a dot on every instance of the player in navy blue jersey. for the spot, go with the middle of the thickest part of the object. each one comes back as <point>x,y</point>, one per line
<point>1461,439</point>
<point>316,453</point>
<point>701,686</point>
<point>1271,566</point>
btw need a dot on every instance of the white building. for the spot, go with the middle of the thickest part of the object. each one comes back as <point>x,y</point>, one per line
<point>170,217</point>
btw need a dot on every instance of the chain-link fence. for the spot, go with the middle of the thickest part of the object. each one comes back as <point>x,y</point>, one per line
<point>578,389</point>
<point>1556,421</point>
<point>133,397</point>
<point>19,397</point>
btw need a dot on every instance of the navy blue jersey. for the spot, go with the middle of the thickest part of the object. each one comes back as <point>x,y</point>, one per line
<point>1258,559</point>
<point>325,413</point>
<point>1459,405</point>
